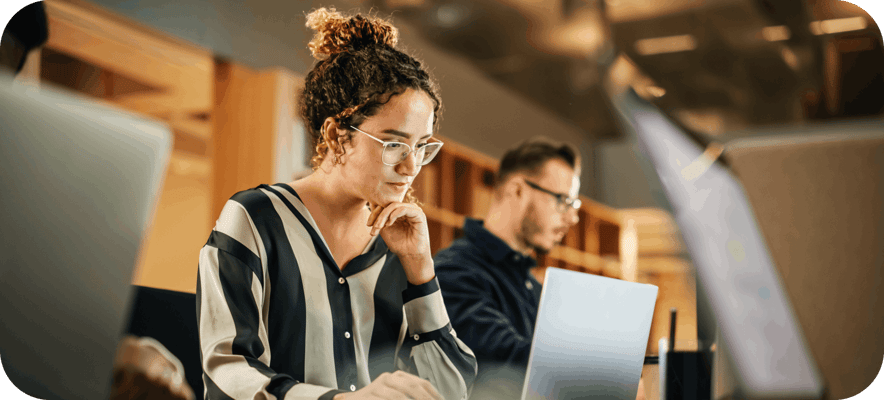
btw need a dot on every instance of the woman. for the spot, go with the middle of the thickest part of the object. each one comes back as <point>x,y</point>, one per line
<point>322,287</point>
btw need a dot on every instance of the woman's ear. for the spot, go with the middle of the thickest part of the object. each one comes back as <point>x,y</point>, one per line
<point>329,132</point>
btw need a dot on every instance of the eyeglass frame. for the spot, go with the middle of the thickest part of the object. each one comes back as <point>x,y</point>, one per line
<point>563,202</point>
<point>410,149</point>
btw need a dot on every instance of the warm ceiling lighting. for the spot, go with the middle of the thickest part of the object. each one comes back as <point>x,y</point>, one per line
<point>656,91</point>
<point>839,25</point>
<point>668,44</point>
<point>790,58</point>
<point>775,33</point>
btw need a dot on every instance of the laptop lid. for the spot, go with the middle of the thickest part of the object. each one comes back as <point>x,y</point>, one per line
<point>590,337</point>
<point>79,187</point>
<point>733,265</point>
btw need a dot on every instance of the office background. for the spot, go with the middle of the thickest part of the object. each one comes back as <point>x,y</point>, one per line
<point>224,75</point>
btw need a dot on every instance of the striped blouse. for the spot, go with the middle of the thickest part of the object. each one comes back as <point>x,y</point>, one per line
<point>279,320</point>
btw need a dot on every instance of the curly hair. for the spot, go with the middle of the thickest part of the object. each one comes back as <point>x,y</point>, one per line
<point>358,70</point>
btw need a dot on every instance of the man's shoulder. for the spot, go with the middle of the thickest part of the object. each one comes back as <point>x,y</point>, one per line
<point>461,253</point>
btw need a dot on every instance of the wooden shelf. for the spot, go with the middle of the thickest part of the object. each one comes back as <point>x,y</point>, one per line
<point>224,118</point>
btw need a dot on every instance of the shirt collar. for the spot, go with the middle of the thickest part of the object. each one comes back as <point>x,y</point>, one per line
<point>494,246</point>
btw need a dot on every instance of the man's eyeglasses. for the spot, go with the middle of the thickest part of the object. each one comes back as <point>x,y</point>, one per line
<point>563,202</point>
<point>395,152</point>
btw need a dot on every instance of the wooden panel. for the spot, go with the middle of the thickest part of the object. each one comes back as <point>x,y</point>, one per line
<point>191,166</point>
<point>182,72</point>
<point>170,251</point>
<point>245,126</point>
<point>475,157</point>
<point>609,239</point>
<point>443,216</point>
<point>576,257</point>
<point>591,238</point>
<point>664,265</point>
<point>435,230</point>
<point>446,182</point>
<point>676,290</point>
<point>655,244</point>
<point>464,180</point>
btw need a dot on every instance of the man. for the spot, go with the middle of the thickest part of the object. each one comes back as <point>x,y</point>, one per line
<point>27,30</point>
<point>485,277</point>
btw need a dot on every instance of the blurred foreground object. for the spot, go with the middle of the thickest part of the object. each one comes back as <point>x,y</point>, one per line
<point>144,368</point>
<point>80,183</point>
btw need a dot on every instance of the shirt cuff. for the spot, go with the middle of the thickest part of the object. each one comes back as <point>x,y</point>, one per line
<point>331,394</point>
<point>424,307</point>
<point>308,391</point>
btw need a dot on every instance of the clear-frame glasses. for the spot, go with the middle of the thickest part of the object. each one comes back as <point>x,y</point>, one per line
<point>396,152</point>
<point>563,202</point>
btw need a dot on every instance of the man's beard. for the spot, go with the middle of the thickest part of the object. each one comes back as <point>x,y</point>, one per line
<point>530,228</point>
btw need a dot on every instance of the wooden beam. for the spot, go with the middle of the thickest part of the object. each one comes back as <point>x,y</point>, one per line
<point>443,216</point>
<point>183,74</point>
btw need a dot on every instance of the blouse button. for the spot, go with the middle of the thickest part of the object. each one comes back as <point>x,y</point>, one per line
<point>347,335</point>
<point>529,285</point>
<point>352,388</point>
<point>341,281</point>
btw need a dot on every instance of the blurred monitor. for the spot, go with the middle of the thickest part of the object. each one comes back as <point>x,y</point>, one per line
<point>758,328</point>
<point>80,183</point>
<point>590,337</point>
<point>817,193</point>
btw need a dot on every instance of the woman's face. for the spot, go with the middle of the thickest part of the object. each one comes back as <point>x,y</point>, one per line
<point>406,118</point>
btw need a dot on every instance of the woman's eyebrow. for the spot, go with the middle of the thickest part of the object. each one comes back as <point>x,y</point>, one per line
<point>403,134</point>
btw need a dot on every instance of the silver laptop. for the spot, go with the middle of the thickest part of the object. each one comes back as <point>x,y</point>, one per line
<point>759,330</point>
<point>79,187</point>
<point>590,337</point>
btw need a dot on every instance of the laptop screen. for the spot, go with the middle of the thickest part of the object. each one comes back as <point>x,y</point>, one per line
<point>590,337</point>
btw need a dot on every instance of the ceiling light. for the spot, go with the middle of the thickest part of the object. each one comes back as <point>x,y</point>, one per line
<point>656,91</point>
<point>790,58</point>
<point>775,33</point>
<point>451,15</point>
<point>668,44</point>
<point>839,25</point>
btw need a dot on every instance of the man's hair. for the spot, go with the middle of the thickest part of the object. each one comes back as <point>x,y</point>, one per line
<point>27,30</point>
<point>531,155</point>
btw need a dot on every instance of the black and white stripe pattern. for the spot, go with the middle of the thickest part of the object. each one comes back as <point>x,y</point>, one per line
<point>279,320</point>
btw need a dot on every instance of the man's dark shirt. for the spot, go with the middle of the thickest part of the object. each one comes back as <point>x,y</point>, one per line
<point>492,299</point>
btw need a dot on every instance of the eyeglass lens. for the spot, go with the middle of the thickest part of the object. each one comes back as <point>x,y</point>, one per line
<point>394,153</point>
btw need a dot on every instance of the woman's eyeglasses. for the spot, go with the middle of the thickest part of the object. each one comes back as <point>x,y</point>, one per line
<point>396,152</point>
<point>562,200</point>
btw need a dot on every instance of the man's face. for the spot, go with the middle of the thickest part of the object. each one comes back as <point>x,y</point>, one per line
<point>543,226</point>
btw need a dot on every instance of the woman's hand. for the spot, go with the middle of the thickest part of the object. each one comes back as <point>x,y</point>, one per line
<point>404,228</point>
<point>395,386</point>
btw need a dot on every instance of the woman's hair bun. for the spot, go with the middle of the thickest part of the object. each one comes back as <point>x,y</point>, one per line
<point>336,33</point>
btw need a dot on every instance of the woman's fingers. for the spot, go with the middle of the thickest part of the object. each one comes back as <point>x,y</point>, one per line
<point>412,386</point>
<point>375,212</point>
<point>399,213</point>
<point>384,218</point>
